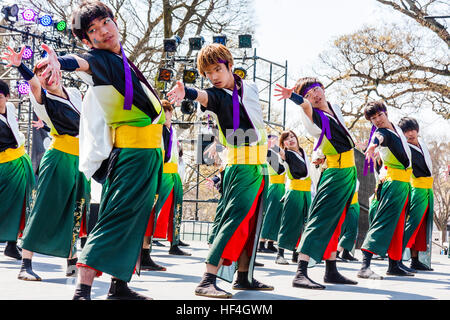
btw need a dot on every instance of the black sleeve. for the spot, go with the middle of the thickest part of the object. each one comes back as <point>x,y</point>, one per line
<point>274,162</point>
<point>296,166</point>
<point>98,62</point>
<point>381,137</point>
<point>215,97</point>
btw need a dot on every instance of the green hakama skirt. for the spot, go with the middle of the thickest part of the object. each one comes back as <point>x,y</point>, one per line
<point>272,215</point>
<point>16,187</point>
<point>327,213</point>
<point>128,195</point>
<point>62,198</point>
<point>349,229</point>
<point>387,225</point>
<point>238,224</point>
<point>294,215</point>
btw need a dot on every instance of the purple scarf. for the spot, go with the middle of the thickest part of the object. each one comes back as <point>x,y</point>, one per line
<point>325,128</point>
<point>366,162</point>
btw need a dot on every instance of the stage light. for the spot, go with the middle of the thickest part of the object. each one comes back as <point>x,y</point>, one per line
<point>46,20</point>
<point>23,88</point>
<point>196,43</point>
<point>188,106</point>
<point>190,75</point>
<point>220,39</point>
<point>28,15</point>
<point>245,41</point>
<point>170,45</point>
<point>27,53</point>
<point>11,11</point>
<point>61,25</point>
<point>241,72</point>
<point>165,74</point>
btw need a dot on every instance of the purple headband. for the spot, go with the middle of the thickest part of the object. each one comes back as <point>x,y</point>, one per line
<point>313,85</point>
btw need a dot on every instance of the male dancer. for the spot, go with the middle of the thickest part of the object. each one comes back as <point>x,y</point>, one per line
<point>120,145</point>
<point>419,225</point>
<point>235,104</point>
<point>63,192</point>
<point>16,176</point>
<point>336,186</point>
<point>385,232</point>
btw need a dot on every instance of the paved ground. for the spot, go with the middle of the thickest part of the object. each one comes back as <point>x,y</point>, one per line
<point>184,273</point>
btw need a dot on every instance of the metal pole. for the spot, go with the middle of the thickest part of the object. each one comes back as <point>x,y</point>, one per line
<point>284,103</point>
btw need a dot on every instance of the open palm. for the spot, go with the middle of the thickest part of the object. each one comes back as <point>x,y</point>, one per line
<point>284,93</point>
<point>177,93</point>
<point>14,58</point>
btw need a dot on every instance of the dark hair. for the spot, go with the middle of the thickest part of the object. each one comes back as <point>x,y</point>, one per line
<point>87,12</point>
<point>372,108</point>
<point>166,105</point>
<point>304,83</point>
<point>408,124</point>
<point>4,88</point>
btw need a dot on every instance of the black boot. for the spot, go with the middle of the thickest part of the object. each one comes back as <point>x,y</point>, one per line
<point>339,258</point>
<point>348,256</point>
<point>175,250</point>
<point>147,263</point>
<point>208,288</point>
<point>280,257</point>
<point>365,271</point>
<point>183,244</point>
<point>402,266</point>
<point>271,247</point>
<point>395,270</point>
<point>258,264</point>
<point>26,272</point>
<point>12,251</point>
<point>301,279</point>
<point>82,292</point>
<point>262,248</point>
<point>416,264</point>
<point>119,290</point>
<point>332,275</point>
<point>71,270</point>
<point>242,283</point>
<point>83,242</point>
<point>294,256</point>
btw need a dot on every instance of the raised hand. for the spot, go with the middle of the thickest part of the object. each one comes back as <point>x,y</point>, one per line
<point>284,93</point>
<point>53,67</point>
<point>14,58</point>
<point>370,152</point>
<point>176,95</point>
<point>38,123</point>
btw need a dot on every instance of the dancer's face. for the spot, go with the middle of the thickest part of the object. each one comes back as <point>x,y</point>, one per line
<point>380,120</point>
<point>44,82</point>
<point>316,96</point>
<point>291,142</point>
<point>103,34</point>
<point>220,76</point>
<point>412,136</point>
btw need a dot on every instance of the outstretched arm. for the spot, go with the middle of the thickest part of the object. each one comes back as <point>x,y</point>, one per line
<point>179,92</point>
<point>15,59</point>
<point>288,93</point>
<point>66,63</point>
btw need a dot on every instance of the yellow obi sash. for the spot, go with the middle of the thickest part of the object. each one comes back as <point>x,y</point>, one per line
<point>148,137</point>
<point>394,174</point>
<point>11,154</point>
<point>300,185</point>
<point>247,155</point>
<point>277,179</point>
<point>67,144</point>
<point>170,167</point>
<point>422,182</point>
<point>355,198</point>
<point>341,160</point>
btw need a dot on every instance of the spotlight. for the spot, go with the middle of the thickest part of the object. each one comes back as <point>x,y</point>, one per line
<point>220,39</point>
<point>241,72</point>
<point>196,43</point>
<point>28,15</point>
<point>188,106</point>
<point>23,88</point>
<point>190,75</point>
<point>165,74</point>
<point>11,11</point>
<point>245,41</point>
<point>61,25</point>
<point>27,53</point>
<point>170,45</point>
<point>46,20</point>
